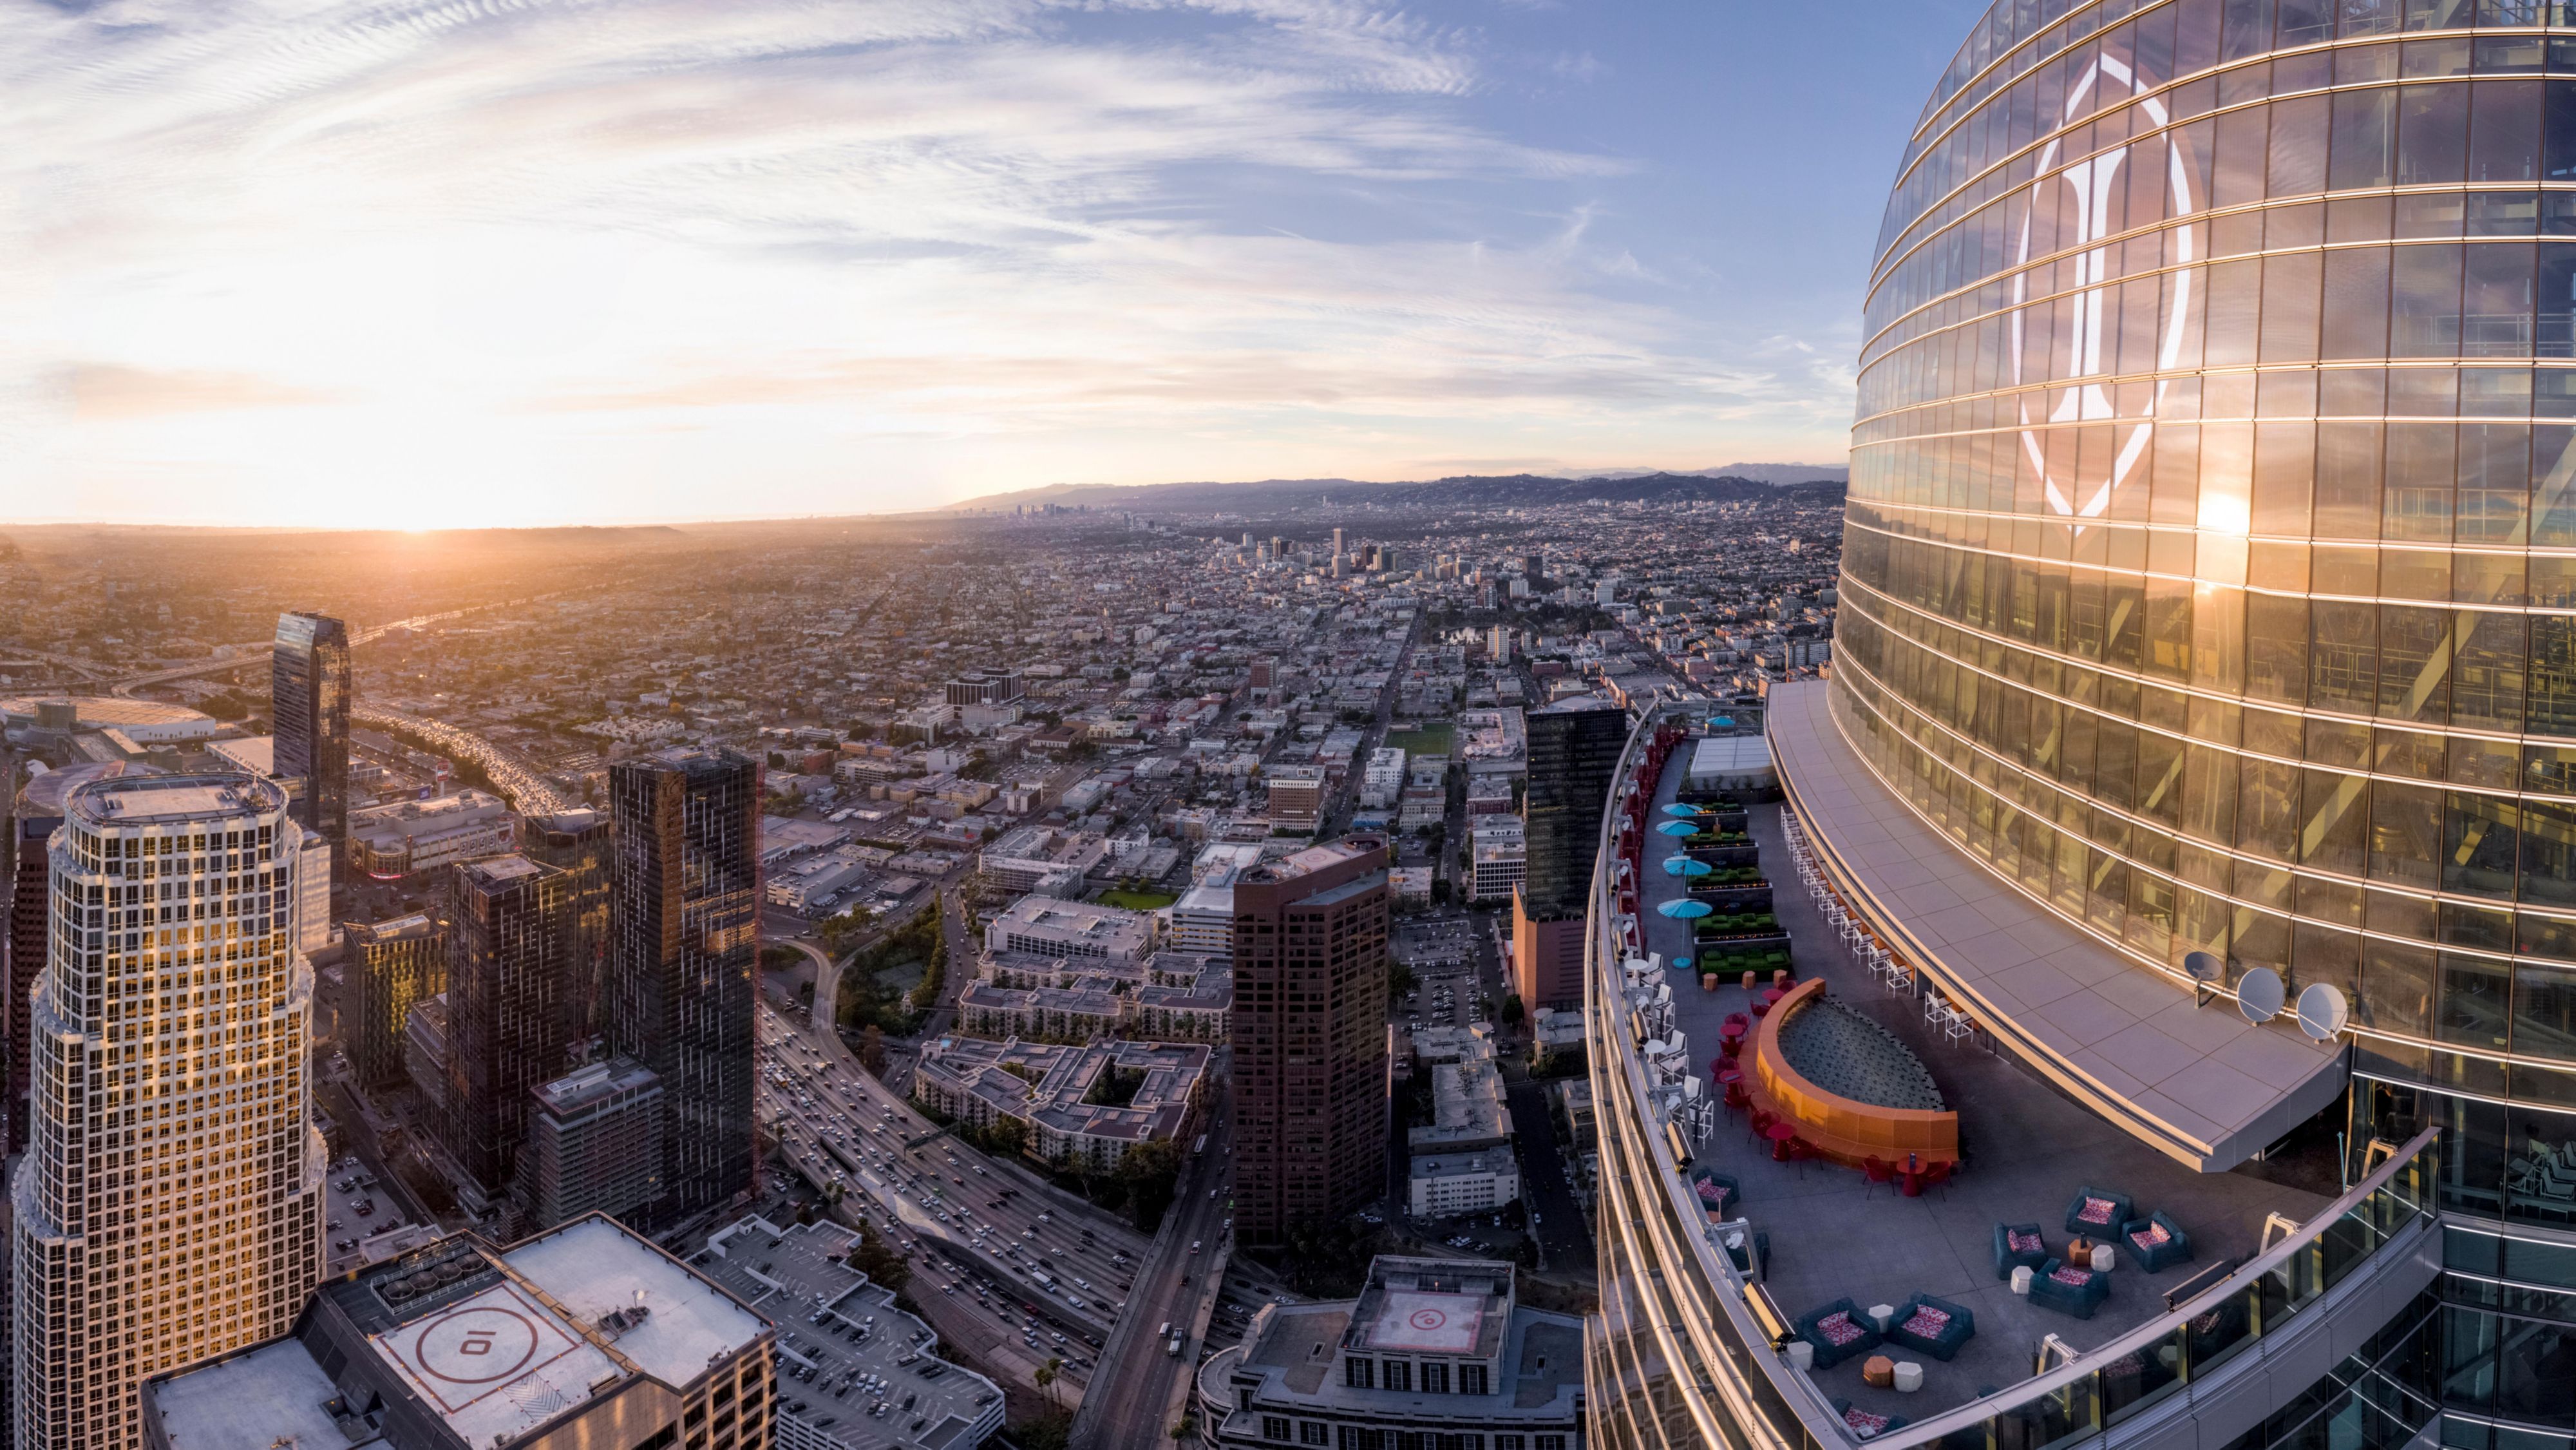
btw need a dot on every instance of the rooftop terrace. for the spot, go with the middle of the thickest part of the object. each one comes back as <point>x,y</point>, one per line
<point>2027,1151</point>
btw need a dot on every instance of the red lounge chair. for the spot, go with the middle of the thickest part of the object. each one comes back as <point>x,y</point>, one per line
<point>1876,1171</point>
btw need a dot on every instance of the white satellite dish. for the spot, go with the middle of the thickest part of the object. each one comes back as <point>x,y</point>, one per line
<point>2323,1012</point>
<point>2203,966</point>
<point>2259,995</point>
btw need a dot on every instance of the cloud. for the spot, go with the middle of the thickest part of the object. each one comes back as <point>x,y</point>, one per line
<point>102,391</point>
<point>266,241</point>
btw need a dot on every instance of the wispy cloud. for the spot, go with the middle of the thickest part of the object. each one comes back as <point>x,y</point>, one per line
<point>879,252</point>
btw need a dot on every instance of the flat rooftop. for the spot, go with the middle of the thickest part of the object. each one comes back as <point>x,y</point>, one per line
<point>2201,1084</point>
<point>135,800</point>
<point>592,1267</point>
<point>831,1317</point>
<point>2029,1149</point>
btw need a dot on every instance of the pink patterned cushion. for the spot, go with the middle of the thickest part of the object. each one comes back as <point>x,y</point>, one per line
<point>1838,1329</point>
<point>1927,1322</point>
<point>1864,1424</point>
<point>2077,1278</point>
<point>1711,1192</point>
<point>2097,1210</point>
<point>2026,1243</point>
<point>2150,1236</point>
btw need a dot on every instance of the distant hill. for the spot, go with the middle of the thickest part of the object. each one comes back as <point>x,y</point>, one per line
<point>1485,490</point>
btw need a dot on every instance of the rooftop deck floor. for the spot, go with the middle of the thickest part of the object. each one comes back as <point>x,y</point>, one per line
<point>2027,1151</point>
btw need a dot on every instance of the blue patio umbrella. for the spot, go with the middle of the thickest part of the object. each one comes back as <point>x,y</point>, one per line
<point>1685,866</point>
<point>1681,964</point>
<point>1723,722</point>
<point>1683,811</point>
<point>1685,909</point>
<point>1677,828</point>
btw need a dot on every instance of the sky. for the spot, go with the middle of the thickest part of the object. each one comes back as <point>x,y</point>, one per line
<point>502,262</point>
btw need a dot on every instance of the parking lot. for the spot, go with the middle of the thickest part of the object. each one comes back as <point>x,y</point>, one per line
<point>361,1222</point>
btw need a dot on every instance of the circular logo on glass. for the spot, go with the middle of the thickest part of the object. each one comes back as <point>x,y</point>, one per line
<point>2085,204</point>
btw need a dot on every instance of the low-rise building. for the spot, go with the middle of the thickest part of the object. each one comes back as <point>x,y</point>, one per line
<point>856,1372</point>
<point>389,842</point>
<point>1383,778</point>
<point>1043,859</point>
<point>584,1335</point>
<point>1440,1184</point>
<point>1046,926</point>
<point>1149,1091</point>
<point>1432,1352</point>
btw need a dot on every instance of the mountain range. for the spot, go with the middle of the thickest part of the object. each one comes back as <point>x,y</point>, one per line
<point>1732,482</point>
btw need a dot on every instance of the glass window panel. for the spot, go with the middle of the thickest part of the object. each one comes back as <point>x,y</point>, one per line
<point>2473,1007</point>
<point>2424,307</point>
<point>2419,483</point>
<point>2235,303</point>
<point>2347,480</point>
<point>2267,808</point>
<point>2551,678</point>
<point>2496,309</point>
<point>2369,17</point>
<point>2432,134</point>
<point>2549,853</point>
<point>2335,836</point>
<point>2496,764</point>
<point>2414,663</point>
<point>2504,131</point>
<point>2397,984</point>
<point>2284,468</point>
<point>2356,303</point>
<point>2405,834</point>
<point>2479,846</point>
<point>2244,140</point>
<point>2439,14</point>
<point>2362,148</point>
<point>2495,483</point>
<point>2343,663</point>
<point>2553,494</point>
<point>2276,648</point>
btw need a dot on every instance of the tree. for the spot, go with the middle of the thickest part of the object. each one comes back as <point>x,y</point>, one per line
<point>1513,1010</point>
<point>1399,981</point>
<point>1046,1376</point>
<point>872,1049</point>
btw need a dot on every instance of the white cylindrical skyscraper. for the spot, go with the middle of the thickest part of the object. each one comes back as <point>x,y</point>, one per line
<point>169,1204</point>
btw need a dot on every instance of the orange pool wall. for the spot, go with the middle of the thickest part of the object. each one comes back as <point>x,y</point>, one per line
<point>1837,1127</point>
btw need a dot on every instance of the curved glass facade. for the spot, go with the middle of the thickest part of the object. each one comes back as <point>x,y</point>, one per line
<point>2211,560</point>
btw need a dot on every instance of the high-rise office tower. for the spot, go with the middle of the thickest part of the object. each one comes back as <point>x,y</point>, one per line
<point>34,813</point>
<point>513,1001</point>
<point>393,966</point>
<point>576,841</point>
<point>309,698</point>
<point>169,1204</point>
<point>1309,1035</point>
<point>685,926</point>
<point>1573,755</point>
<point>2203,705</point>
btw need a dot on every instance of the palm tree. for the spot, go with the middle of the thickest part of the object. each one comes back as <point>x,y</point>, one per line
<point>1047,1376</point>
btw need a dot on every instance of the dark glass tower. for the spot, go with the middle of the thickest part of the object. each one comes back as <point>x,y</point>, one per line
<point>512,1000</point>
<point>685,928</point>
<point>576,841</point>
<point>1309,1036</point>
<point>309,698</point>
<point>1573,755</point>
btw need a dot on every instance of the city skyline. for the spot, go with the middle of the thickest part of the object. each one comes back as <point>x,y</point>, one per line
<point>663,260</point>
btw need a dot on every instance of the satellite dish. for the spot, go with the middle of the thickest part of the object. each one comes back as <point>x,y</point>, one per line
<point>2259,995</point>
<point>2323,1012</point>
<point>2203,966</point>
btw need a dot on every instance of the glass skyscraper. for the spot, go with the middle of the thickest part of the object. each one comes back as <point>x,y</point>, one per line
<point>2209,588</point>
<point>309,695</point>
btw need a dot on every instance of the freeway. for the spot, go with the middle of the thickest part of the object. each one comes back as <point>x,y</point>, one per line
<point>251,653</point>
<point>510,771</point>
<point>996,1227</point>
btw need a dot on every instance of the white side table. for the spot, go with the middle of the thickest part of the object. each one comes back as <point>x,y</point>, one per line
<point>1882,1315</point>
<point>1909,1376</point>
<point>2103,1257</point>
<point>1802,1355</point>
<point>2021,1278</point>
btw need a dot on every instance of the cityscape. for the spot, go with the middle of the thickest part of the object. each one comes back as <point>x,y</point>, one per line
<point>2051,929</point>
